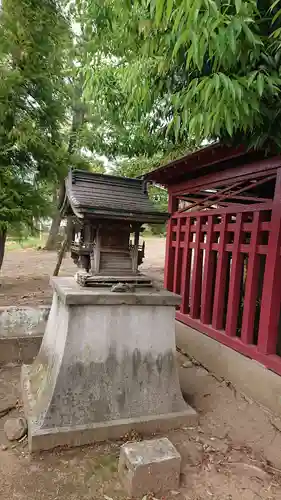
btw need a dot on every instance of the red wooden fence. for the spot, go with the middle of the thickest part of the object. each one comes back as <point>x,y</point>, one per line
<point>226,264</point>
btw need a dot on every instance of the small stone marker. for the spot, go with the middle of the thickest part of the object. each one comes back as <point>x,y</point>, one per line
<point>15,428</point>
<point>149,466</point>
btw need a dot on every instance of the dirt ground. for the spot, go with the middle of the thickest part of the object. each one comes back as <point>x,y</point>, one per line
<point>25,274</point>
<point>233,454</point>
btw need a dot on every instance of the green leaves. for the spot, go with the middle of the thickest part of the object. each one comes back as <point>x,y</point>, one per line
<point>202,68</point>
<point>32,107</point>
<point>275,11</point>
<point>260,84</point>
<point>159,11</point>
<point>229,122</point>
<point>238,4</point>
<point>221,105</point>
<point>169,8</point>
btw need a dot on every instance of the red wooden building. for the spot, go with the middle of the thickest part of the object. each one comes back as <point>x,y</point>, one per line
<point>223,250</point>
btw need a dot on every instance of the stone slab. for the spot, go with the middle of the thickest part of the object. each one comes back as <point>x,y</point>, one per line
<point>149,467</point>
<point>21,332</point>
<point>71,293</point>
<point>23,321</point>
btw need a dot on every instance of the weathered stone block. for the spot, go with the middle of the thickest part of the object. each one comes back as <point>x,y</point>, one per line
<point>150,466</point>
<point>23,321</point>
<point>15,428</point>
<point>106,366</point>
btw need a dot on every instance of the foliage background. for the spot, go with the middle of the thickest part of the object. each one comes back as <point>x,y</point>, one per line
<point>135,82</point>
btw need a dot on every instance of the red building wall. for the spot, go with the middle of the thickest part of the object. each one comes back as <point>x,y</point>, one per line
<point>224,257</point>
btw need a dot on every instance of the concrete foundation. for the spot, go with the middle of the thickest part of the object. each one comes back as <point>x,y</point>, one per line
<point>247,375</point>
<point>106,365</point>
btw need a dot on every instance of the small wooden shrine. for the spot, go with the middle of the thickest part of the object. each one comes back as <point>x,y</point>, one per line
<point>107,215</point>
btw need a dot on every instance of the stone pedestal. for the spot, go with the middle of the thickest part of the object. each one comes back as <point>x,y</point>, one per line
<point>106,366</point>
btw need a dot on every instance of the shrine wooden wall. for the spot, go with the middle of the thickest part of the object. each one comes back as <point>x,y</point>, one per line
<point>226,261</point>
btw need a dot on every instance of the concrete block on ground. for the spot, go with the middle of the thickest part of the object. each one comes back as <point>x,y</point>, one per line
<point>149,467</point>
<point>21,333</point>
<point>23,321</point>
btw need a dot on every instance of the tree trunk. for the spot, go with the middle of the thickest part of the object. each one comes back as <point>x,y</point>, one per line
<point>61,256</point>
<point>78,118</point>
<point>55,226</point>
<point>64,247</point>
<point>3,235</point>
<point>53,233</point>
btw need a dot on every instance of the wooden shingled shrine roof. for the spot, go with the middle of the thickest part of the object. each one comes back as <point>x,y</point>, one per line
<point>99,196</point>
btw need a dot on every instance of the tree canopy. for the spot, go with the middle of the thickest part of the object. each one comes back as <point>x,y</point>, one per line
<point>32,107</point>
<point>32,92</point>
<point>205,69</point>
<point>41,111</point>
<point>139,81</point>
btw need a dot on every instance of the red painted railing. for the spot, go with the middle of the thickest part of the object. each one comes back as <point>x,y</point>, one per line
<point>226,264</point>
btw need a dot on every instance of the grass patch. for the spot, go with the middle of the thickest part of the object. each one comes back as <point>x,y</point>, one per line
<point>29,242</point>
<point>35,241</point>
